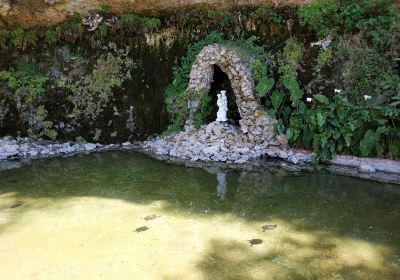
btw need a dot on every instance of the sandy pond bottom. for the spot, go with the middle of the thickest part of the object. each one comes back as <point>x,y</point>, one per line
<point>75,218</point>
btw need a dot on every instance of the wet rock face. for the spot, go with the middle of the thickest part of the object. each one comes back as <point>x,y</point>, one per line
<point>27,13</point>
<point>25,148</point>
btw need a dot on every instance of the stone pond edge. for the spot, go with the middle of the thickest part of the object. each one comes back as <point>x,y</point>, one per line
<point>379,170</point>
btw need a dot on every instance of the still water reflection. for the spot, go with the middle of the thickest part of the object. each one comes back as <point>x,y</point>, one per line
<point>82,218</point>
<point>221,187</point>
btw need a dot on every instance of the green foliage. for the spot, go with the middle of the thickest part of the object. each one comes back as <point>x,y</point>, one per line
<point>290,58</point>
<point>39,127</point>
<point>226,21</point>
<point>80,140</point>
<point>275,18</point>
<point>51,36</point>
<point>26,85</point>
<point>210,13</point>
<point>340,123</point>
<point>391,85</point>
<point>266,14</point>
<point>364,71</point>
<point>371,138</point>
<point>322,16</point>
<point>259,14</point>
<point>339,126</point>
<point>139,22</point>
<point>203,111</point>
<point>90,93</point>
<point>322,59</point>
<point>72,30</point>
<point>18,38</point>
<point>258,69</point>
<point>277,98</point>
<point>4,35</point>
<point>104,9</point>
<point>265,85</point>
<point>378,20</point>
<point>294,90</point>
<point>321,98</point>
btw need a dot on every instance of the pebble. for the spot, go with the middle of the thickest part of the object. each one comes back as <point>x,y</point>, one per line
<point>365,168</point>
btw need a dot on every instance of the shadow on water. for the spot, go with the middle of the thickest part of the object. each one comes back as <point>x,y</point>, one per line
<point>318,215</point>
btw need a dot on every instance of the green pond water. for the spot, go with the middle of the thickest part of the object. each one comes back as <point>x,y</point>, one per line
<point>82,218</point>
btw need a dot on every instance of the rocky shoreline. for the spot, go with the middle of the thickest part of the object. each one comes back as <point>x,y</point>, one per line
<point>275,165</point>
<point>17,150</point>
<point>222,142</point>
<point>14,153</point>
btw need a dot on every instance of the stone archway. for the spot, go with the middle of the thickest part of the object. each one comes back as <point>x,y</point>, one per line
<point>236,65</point>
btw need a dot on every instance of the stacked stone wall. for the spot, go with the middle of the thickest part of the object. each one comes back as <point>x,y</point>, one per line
<point>235,64</point>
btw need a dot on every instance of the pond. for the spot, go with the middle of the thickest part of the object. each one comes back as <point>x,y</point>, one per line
<point>83,218</point>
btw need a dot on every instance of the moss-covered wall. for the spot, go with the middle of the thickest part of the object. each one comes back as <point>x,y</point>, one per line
<point>154,51</point>
<point>34,13</point>
<point>328,72</point>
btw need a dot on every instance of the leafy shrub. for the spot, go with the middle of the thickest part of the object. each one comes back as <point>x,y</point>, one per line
<point>339,123</point>
<point>226,21</point>
<point>290,58</point>
<point>264,14</point>
<point>339,126</point>
<point>26,86</point>
<point>90,93</point>
<point>364,70</point>
<point>322,16</point>
<point>51,36</point>
<point>72,30</point>
<point>139,22</point>
<point>379,20</point>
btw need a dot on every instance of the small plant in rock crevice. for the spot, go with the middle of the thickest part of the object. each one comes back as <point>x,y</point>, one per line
<point>25,88</point>
<point>90,93</point>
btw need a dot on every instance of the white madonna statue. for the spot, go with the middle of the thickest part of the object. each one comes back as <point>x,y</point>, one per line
<point>222,103</point>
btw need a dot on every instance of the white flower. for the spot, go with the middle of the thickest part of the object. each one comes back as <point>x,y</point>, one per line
<point>338,90</point>
<point>309,99</point>
<point>366,97</point>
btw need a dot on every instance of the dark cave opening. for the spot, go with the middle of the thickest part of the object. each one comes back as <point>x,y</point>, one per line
<point>222,82</point>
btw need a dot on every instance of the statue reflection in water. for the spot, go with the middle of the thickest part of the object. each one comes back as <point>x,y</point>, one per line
<point>221,188</point>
